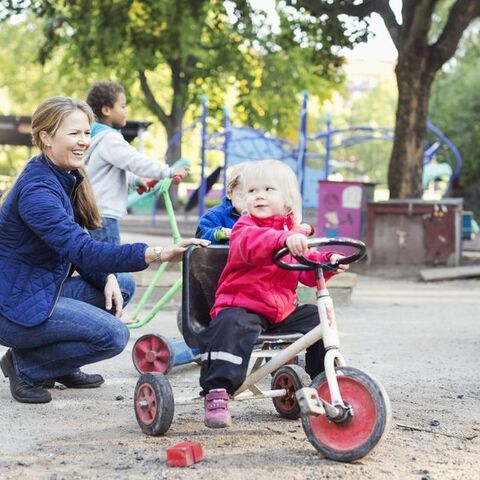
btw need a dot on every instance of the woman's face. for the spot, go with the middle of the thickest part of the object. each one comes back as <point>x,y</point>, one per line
<point>66,148</point>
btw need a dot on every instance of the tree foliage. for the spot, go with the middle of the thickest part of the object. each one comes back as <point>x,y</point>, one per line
<point>424,44</point>
<point>190,48</point>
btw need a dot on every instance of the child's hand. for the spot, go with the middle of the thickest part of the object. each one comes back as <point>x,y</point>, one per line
<point>297,244</point>
<point>145,185</point>
<point>307,229</point>
<point>222,234</point>
<point>180,173</point>
<point>341,268</point>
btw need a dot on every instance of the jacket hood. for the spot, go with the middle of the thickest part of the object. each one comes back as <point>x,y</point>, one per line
<point>98,127</point>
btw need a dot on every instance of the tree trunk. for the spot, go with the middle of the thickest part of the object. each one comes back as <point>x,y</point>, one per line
<point>174,151</point>
<point>414,80</point>
<point>173,122</point>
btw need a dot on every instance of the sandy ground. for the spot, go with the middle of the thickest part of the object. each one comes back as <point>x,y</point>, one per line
<point>422,341</point>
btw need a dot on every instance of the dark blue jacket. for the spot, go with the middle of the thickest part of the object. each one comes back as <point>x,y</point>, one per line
<point>223,215</point>
<point>40,240</point>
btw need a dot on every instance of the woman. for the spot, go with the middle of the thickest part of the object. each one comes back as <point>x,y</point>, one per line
<point>54,323</point>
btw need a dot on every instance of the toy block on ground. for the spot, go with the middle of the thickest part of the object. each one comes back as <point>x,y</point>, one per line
<point>184,454</point>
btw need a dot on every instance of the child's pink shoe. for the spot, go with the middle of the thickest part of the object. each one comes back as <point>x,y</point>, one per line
<point>217,411</point>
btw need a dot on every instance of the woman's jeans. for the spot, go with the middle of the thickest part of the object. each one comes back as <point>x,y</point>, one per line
<point>79,332</point>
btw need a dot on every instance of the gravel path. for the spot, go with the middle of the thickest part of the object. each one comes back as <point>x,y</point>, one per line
<point>422,341</point>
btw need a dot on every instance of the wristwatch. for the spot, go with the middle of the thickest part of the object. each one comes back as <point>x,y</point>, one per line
<point>158,254</point>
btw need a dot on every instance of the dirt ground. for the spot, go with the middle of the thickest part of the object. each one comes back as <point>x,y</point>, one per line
<point>422,341</point>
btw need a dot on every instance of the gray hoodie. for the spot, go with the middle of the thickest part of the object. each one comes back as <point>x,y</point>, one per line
<point>113,165</point>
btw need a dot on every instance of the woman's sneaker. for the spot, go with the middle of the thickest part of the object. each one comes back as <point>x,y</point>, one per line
<point>217,411</point>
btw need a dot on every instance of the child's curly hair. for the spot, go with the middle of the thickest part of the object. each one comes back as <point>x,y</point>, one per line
<point>103,94</point>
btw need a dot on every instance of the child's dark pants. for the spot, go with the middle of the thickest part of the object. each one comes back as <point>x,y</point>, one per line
<point>231,338</point>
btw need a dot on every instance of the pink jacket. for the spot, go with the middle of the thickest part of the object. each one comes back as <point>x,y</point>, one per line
<point>251,280</point>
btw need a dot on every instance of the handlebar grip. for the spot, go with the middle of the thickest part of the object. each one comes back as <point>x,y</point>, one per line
<point>177,179</point>
<point>150,183</point>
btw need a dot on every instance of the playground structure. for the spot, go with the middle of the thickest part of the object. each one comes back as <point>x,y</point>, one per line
<point>240,143</point>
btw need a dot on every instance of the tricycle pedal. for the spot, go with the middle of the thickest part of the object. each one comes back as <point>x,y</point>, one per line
<point>310,403</point>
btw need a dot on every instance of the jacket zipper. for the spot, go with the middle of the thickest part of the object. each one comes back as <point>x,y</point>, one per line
<point>59,290</point>
<point>68,267</point>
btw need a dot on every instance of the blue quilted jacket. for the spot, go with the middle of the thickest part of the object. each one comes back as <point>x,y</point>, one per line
<point>223,215</point>
<point>40,241</point>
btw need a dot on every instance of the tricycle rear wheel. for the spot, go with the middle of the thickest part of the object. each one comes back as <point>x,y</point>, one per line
<point>154,403</point>
<point>291,378</point>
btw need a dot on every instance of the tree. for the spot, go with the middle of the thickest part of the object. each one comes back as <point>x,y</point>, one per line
<point>296,55</point>
<point>419,59</point>
<point>455,109</point>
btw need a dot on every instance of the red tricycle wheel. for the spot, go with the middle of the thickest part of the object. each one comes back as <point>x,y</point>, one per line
<point>154,405</point>
<point>153,353</point>
<point>359,433</point>
<point>291,378</point>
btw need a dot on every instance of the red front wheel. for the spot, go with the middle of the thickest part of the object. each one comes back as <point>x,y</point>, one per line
<point>362,429</point>
<point>153,353</point>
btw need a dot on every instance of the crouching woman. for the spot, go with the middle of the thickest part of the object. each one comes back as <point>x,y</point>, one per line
<point>51,322</point>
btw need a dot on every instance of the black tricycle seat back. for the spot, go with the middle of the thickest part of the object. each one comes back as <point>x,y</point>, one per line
<point>202,268</point>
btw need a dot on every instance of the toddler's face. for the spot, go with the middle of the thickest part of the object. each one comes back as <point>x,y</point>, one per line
<point>264,198</point>
<point>237,196</point>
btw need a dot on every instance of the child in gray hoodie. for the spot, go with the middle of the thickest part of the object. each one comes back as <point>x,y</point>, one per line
<point>113,164</point>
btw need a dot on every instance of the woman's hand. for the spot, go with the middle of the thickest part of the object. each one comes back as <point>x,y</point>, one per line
<point>173,253</point>
<point>341,268</point>
<point>297,244</point>
<point>113,296</point>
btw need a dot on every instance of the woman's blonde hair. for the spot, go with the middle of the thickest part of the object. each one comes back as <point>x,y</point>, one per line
<point>280,173</point>
<point>47,117</point>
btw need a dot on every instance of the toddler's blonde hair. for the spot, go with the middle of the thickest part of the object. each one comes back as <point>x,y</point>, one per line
<point>234,176</point>
<point>280,173</point>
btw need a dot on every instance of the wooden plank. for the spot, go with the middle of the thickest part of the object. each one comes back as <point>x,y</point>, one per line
<point>450,273</point>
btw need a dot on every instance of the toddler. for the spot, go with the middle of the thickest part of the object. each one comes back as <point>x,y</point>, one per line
<point>254,295</point>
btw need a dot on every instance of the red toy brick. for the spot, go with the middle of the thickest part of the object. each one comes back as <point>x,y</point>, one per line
<point>184,454</point>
